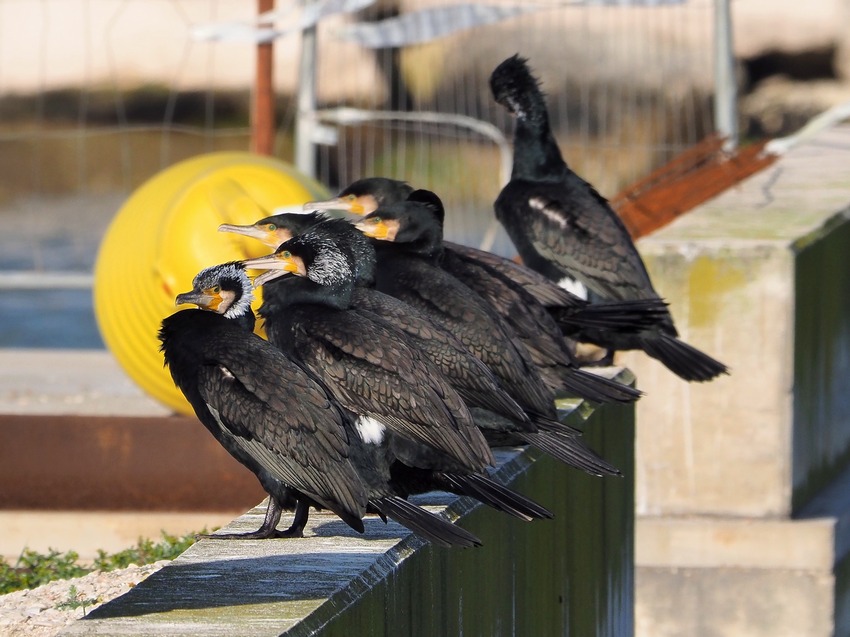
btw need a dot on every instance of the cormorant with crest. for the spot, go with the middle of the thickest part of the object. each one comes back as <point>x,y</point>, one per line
<point>563,228</point>
<point>600,323</point>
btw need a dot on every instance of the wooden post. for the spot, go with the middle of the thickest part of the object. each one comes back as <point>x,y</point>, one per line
<point>262,106</point>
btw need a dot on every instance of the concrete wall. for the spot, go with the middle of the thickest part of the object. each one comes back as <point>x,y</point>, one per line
<point>742,524</point>
<point>569,576</point>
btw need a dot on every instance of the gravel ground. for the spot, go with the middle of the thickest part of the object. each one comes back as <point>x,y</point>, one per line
<point>45,611</point>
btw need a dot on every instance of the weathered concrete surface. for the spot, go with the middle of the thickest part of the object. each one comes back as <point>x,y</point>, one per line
<point>756,278</point>
<point>75,382</point>
<point>708,577</point>
<point>709,603</point>
<point>569,576</point>
<point>742,524</point>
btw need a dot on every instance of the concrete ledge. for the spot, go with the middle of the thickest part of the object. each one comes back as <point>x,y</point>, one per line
<point>725,543</point>
<point>70,382</point>
<point>571,575</point>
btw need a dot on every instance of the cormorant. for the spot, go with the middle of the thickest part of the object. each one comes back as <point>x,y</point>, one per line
<point>263,408</point>
<point>563,228</point>
<point>599,323</point>
<point>363,378</point>
<point>530,321</point>
<point>366,362</point>
<point>407,270</point>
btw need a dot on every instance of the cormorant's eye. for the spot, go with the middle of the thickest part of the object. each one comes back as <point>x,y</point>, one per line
<point>286,254</point>
<point>216,289</point>
<point>272,227</point>
<point>376,220</point>
<point>351,197</point>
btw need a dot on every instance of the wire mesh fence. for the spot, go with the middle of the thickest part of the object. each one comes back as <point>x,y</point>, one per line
<point>96,96</point>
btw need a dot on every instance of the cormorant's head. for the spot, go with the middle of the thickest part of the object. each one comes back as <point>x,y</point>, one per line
<point>276,229</point>
<point>419,220</point>
<point>364,196</point>
<point>514,86</point>
<point>320,254</point>
<point>224,289</point>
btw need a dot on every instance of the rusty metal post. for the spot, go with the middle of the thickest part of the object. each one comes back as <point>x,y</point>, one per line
<point>262,104</point>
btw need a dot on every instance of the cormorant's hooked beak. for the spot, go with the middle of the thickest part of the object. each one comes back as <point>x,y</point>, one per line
<point>202,298</point>
<point>275,265</point>
<point>362,205</point>
<point>376,229</point>
<point>272,237</point>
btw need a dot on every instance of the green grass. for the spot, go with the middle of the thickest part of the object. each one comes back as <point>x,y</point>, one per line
<point>33,569</point>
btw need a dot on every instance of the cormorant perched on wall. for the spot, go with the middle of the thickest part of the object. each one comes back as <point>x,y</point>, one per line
<point>530,321</point>
<point>367,363</point>
<point>416,466</point>
<point>562,227</point>
<point>472,379</point>
<point>599,323</point>
<point>407,271</point>
<point>282,424</point>
<point>421,225</point>
<point>264,409</point>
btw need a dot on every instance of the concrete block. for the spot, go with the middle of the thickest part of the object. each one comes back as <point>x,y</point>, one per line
<point>756,278</point>
<point>733,602</point>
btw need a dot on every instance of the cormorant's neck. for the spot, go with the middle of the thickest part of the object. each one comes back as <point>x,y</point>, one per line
<point>246,321</point>
<point>536,153</point>
<point>424,247</point>
<point>288,291</point>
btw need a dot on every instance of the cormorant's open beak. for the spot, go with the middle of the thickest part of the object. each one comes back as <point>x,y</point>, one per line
<point>267,276</point>
<point>276,265</point>
<point>201,298</point>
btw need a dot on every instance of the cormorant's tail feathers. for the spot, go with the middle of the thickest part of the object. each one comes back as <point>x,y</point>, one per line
<point>630,316</point>
<point>432,527</point>
<point>495,401</point>
<point>597,388</point>
<point>500,497</point>
<point>572,451</point>
<point>682,359</point>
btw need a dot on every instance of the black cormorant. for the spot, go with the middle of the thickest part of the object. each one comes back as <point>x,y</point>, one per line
<point>531,322</point>
<point>366,365</point>
<point>280,422</point>
<point>563,228</point>
<point>407,270</point>
<point>600,323</point>
<point>269,413</point>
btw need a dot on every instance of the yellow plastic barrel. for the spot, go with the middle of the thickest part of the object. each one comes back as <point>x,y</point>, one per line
<point>165,233</point>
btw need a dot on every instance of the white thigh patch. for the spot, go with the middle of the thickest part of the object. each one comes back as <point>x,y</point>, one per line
<point>371,431</point>
<point>574,287</point>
